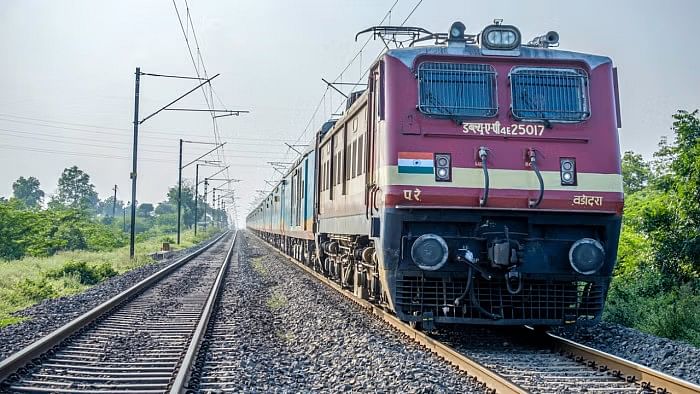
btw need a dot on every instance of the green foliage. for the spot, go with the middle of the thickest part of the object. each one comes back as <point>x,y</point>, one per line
<point>27,281</point>
<point>86,274</point>
<point>13,228</point>
<point>145,210</point>
<point>27,191</point>
<point>656,287</point>
<point>167,222</point>
<point>62,250</point>
<point>104,207</point>
<point>667,213</point>
<point>187,205</point>
<point>75,190</point>
<point>36,290</point>
<point>635,172</point>
<point>649,301</point>
<point>165,207</point>
<point>45,232</point>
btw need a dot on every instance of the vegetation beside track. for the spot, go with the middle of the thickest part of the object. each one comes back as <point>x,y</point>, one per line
<point>30,280</point>
<point>656,287</point>
<point>76,240</point>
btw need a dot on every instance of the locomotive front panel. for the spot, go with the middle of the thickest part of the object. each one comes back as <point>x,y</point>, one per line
<point>500,184</point>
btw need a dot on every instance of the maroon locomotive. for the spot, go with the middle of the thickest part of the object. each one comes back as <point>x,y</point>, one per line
<point>474,181</point>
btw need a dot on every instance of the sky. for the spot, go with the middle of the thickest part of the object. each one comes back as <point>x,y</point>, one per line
<point>67,76</point>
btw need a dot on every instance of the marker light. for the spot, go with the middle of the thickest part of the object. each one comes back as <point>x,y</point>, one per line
<point>443,167</point>
<point>567,171</point>
<point>504,37</point>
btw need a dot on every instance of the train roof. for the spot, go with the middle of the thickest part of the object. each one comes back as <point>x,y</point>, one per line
<point>409,55</point>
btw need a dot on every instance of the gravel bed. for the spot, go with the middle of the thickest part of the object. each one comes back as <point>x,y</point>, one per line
<point>675,358</point>
<point>281,331</point>
<point>48,315</point>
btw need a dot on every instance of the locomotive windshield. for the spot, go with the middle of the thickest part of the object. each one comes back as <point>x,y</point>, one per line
<point>457,90</point>
<point>549,94</point>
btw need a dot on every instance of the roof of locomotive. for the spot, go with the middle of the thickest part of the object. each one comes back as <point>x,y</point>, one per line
<point>409,55</point>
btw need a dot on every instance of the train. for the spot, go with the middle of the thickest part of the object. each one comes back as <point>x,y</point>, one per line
<point>475,180</point>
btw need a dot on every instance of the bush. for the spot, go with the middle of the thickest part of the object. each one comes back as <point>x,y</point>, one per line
<point>87,274</point>
<point>675,315</point>
<point>36,290</point>
<point>649,301</point>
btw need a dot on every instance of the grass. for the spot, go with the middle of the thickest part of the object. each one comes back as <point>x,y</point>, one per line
<point>284,336</point>
<point>259,267</point>
<point>277,300</point>
<point>28,281</point>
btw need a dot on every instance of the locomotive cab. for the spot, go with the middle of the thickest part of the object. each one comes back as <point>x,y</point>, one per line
<point>499,171</point>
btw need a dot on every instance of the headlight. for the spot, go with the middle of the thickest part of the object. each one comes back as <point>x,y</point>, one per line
<point>429,252</point>
<point>501,37</point>
<point>586,256</point>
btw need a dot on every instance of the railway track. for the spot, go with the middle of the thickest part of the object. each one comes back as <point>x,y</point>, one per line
<point>546,364</point>
<point>137,341</point>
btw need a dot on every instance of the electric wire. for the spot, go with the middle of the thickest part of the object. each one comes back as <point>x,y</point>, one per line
<point>174,151</point>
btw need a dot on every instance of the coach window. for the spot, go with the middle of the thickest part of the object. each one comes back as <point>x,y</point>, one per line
<point>353,159</point>
<point>360,155</point>
<point>348,163</point>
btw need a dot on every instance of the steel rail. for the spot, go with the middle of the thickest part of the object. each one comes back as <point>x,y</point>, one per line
<point>648,378</point>
<point>25,356</point>
<point>188,361</point>
<point>481,373</point>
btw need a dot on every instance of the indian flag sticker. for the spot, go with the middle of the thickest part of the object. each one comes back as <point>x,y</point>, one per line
<point>416,163</point>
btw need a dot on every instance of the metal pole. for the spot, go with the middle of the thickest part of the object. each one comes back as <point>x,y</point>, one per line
<point>206,183</point>
<point>133,166</point>
<point>114,203</point>
<point>196,196</point>
<point>179,193</point>
<point>215,214</point>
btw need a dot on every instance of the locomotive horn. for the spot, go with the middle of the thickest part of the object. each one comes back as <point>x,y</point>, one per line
<point>545,40</point>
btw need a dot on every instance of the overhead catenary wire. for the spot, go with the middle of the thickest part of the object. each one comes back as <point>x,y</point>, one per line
<point>103,156</point>
<point>112,144</point>
<point>174,134</point>
<point>200,60</point>
<point>358,55</point>
<point>342,72</point>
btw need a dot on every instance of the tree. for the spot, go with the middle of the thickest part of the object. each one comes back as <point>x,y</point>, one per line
<point>668,213</point>
<point>145,210</point>
<point>187,202</point>
<point>104,207</point>
<point>636,172</point>
<point>27,191</point>
<point>165,208</point>
<point>75,190</point>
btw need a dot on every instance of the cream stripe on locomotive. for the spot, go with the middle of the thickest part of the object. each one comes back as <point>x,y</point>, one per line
<point>504,179</point>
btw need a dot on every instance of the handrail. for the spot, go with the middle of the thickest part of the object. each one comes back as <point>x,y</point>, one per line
<point>483,155</point>
<point>533,164</point>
